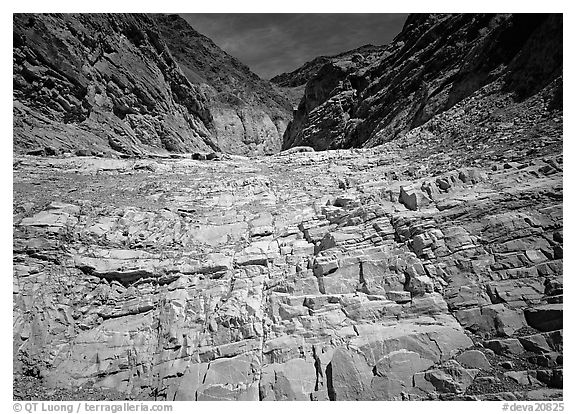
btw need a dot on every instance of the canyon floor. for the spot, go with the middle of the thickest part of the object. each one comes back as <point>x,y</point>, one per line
<point>390,273</point>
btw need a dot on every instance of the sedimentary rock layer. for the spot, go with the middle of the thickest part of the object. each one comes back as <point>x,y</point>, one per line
<point>109,84</point>
<point>249,115</point>
<point>340,275</point>
<point>496,63</point>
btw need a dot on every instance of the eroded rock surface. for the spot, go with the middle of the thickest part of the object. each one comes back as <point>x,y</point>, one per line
<point>135,84</point>
<point>488,73</point>
<point>249,115</point>
<point>345,274</point>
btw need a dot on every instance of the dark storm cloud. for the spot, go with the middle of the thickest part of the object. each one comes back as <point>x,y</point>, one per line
<point>274,43</point>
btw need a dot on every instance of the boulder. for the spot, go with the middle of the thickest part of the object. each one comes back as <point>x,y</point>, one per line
<point>523,377</point>
<point>413,198</point>
<point>505,346</point>
<point>545,317</point>
<point>451,378</point>
<point>535,343</point>
<point>474,359</point>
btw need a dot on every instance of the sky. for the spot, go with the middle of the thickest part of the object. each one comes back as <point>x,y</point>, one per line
<point>271,44</point>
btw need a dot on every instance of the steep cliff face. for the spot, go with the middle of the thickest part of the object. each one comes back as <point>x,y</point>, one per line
<point>102,83</point>
<point>249,115</point>
<point>109,83</point>
<point>303,74</point>
<point>293,84</point>
<point>486,62</point>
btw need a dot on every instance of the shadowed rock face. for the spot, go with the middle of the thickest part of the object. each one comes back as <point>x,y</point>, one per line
<point>109,83</point>
<point>249,116</point>
<point>307,71</point>
<point>436,62</point>
<point>293,84</point>
<point>101,83</point>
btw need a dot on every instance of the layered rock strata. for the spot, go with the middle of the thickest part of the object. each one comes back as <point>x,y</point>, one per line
<point>337,275</point>
<point>498,64</point>
<point>124,84</point>
<point>249,115</point>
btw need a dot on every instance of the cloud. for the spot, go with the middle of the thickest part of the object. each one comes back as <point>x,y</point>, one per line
<point>271,44</point>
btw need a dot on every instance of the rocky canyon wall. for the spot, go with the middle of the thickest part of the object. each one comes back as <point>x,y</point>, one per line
<point>425,265</point>
<point>437,61</point>
<point>110,84</point>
